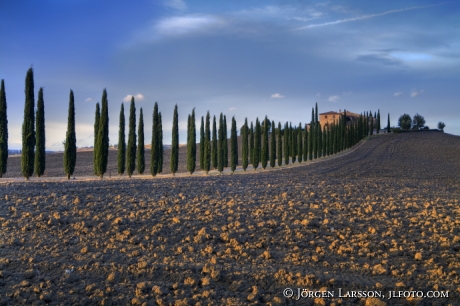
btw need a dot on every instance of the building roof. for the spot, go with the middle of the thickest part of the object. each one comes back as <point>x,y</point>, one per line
<point>330,113</point>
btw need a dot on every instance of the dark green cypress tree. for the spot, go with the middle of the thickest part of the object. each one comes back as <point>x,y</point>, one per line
<point>264,155</point>
<point>245,149</point>
<point>299,143</point>
<point>378,122</point>
<point>388,123</point>
<point>220,145</point>
<point>286,143</point>
<point>280,146</point>
<point>312,146</point>
<point>371,123</point>
<point>97,120</point>
<point>305,144</point>
<point>225,143</point>
<point>121,153</point>
<point>191,144</point>
<point>323,142</point>
<point>102,145</point>
<point>140,144</point>
<point>175,142</point>
<point>233,146</point>
<point>154,149</point>
<point>273,146</point>
<point>28,128</point>
<point>251,144</point>
<point>202,144</point>
<point>131,148</point>
<point>40,153</point>
<point>319,140</point>
<point>70,147</point>
<point>160,144</point>
<point>293,144</point>
<point>3,131</point>
<point>207,144</point>
<point>257,148</point>
<point>214,143</point>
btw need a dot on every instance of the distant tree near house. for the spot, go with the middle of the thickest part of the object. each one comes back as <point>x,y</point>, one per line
<point>388,123</point>
<point>273,145</point>
<point>225,143</point>
<point>3,131</point>
<point>378,122</point>
<point>257,136</point>
<point>251,144</point>
<point>286,143</point>
<point>264,155</point>
<point>405,122</point>
<point>299,142</point>
<point>245,148</point>
<point>191,143</point>
<point>121,154</point>
<point>140,145</point>
<point>441,125</point>
<point>220,145</point>
<point>214,143</point>
<point>207,144</point>
<point>279,154</point>
<point>102,145</point>
<point>131,148</point>
<point>155,148</point>
<point>418,122</point>
<point>233,146</point>
<point>371,123</point>
<point>175,142</point>
<point>28,128</point>
<point>97,120</point>
<point>40,153</point>
<point>202,144</point>
<point>70,146</point>
<point>160,144</point>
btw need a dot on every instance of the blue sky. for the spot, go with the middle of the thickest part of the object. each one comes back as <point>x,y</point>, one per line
<point>242,58</point>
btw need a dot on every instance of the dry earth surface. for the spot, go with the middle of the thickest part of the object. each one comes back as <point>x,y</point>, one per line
<point>383,217</point>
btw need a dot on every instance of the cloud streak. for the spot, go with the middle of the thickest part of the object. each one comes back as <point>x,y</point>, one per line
<point>138,97</point>
<point>277,96</point>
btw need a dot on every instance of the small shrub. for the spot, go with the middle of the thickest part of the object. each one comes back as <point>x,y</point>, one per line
<point>396,130</point>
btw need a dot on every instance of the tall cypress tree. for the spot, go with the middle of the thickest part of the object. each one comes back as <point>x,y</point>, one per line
<point>207,144</point>
<point>378,122</point>
<point>257,148</point>
<point>140,145</point>
<point>273,145</point>
<point>225,143</point>
<point>388,123</point>
<point>220,146</point>
<point>279,154</point>
<point>251,144</point>
<point>175,142</point>
<point>299,143</point>
<point>154,149</point>
<point>286,143</point>
<point>3,131</point>
<point>371,123</point>
<point>214,144</point>
<point>305,144</point>
<point>121,153</point>
<point>245,149</point>
<point>40,154</point>
<point>293,144</point>
<point>97,120</point>
<point>70,147</point>
<point>131,148</point>
<point>264,155</point>
<point>160,144</point>
<point>28,128</point>
<point>102,145</point>
<point>312,146</point>
<point>202,144</point>
<point>191,143</point>
<point>233,146</point>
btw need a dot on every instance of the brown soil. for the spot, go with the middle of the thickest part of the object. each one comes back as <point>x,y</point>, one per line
<point>383,217</point>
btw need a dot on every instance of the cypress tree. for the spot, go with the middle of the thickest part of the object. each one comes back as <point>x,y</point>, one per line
<point>140,144</point>
<point>245,149</point>
<point>312,146</point>
<point>286,143</point>
<point>280,146</point>
<point>97,120</point>
<point>251,144</point>
<point>102,145</point>
<point>305,143</point>
<point>388,123</point>
<point>191,143</point>
<point>160,144</point>
<point>293,144</point>
<point>175,142</point>
<point>273,146</point>
<point>319,140</point>
<point>28,128</point>
<point>371,123</point>
<point>264,155</point>
<point>233,146</point>
<point>257,150</point>
<point>378,122</point>
<point>202,144</point>
<point>214,143</point>
<point>154,149</point>
<point>3,131</point>
<point>70,147</point>
<point>220,147</point>
<point>323,142</point>
<point>207,144</point>
<point>225,143</point>
<point>121,153</point>
<point>131,148</point>
<point>299,143</point>
<point>40,154</point>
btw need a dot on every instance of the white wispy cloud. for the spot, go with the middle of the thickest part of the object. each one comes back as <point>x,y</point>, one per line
<point>277,96</point>
<point>333,98</point>
<point>176,4</point>
<point>415,93</point>
<point>364,17</point>
<point>138,97</point>
<point>232,108</point>
<point>185,24</point>
<point>397,94</point>
<point>89,99</point>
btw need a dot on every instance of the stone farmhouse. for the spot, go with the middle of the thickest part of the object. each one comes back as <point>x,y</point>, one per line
<point>328,118</point>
